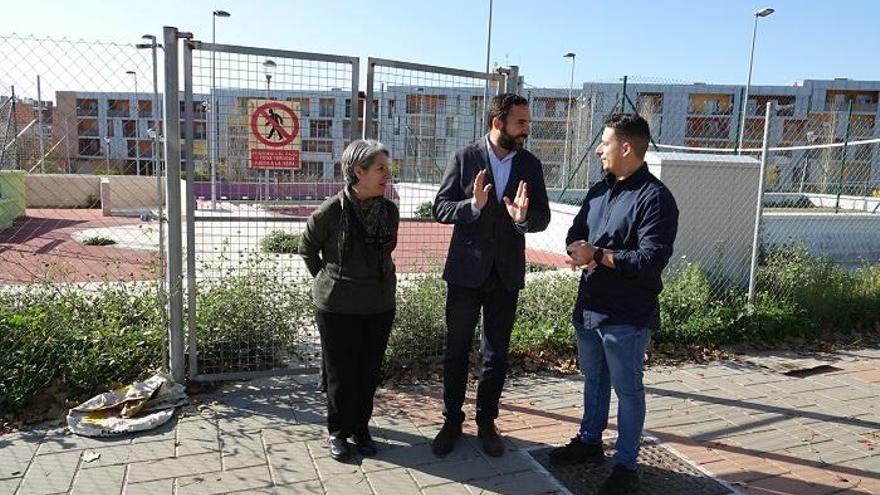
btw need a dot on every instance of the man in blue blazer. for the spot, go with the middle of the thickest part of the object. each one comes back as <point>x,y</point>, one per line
<point>493,192</point>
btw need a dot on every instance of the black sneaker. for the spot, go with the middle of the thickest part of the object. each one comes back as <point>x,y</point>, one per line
<point>576,452</point>
<point>622,481</point>
<point>444,442</point>
<point>492,444</point>
<point>338,448</point>
<point>365,445</point>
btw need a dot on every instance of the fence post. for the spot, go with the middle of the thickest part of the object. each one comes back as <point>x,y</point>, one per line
<point>759,206</point>
<point>843,162</point>
<point>189,192</point>
<point>513,80</point>
<point>172,186</point>
<point>368,105</point>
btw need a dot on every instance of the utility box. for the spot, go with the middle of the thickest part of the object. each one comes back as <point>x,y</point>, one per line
<point>716,196</point>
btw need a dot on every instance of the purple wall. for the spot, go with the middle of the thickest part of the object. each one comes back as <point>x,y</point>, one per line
<point>296,190</point>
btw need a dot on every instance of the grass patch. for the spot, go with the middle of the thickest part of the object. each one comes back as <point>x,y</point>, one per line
<point>280,242</point>
<point>98,240</point>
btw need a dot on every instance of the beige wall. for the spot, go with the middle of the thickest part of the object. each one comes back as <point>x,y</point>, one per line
<point>716,198</point>
<point>60,190</point>
<point>127,192</point>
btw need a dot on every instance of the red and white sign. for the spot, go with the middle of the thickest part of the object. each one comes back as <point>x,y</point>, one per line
<point>274,139</point>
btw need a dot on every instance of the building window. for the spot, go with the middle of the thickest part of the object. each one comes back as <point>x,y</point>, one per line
<point>450,126</point>
<point>311,170</point>
<point>111,128</point>
<point>200,130</point>
<point>317,146</point>
<point>86,107</point>
<point>303,106</point>
<point>424,103</point>
<point>90,147</point>
<point>129,128</point>
<point>320,128</point>
<point>326,107</point>
<point>87,128</point>
<point>118,108</point>
<point>145,108</point>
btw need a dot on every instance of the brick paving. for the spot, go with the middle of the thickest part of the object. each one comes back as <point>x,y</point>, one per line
<point>758,431</point>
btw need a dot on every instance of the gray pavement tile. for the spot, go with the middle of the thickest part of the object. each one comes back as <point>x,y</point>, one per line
<point>440,473</point>
<point>50,473</point>
<point>168,431</point>
<point>173,467</point>
<point>294,433</point>
<point>396,457</point>
<point>392,482</point>
<point>348,484</point>
<point>9,486</point>
<point>158,487</point>
<point>226,481</point>
<point>528,483</point>
<point>328,467</point>
<point>290,463</point>
<point>16,452</point>
<point>447,489</point>
<point>303,488</point>
<point>103,480</point>
<point>242,450</point>
<point>59,440</point>
<point>832,452</point>
<point>125,454</point>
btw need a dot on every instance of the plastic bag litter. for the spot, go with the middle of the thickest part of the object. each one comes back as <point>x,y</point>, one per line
<point>137,407</point>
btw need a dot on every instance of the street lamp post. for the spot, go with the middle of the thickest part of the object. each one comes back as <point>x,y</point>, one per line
<point>566,162</point>
<point>214,149</point>
<point>137,116</point>
<point>107,153</point>
<point>763,12</point>
<point>269,66</point>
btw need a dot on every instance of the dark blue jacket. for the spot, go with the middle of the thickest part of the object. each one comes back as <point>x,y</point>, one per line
<point>637,218</point>
<point>491,239</point>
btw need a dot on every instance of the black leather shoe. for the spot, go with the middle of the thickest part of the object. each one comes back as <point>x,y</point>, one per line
<point>444,442</point>
<point>622,481</point>
<point>338,448</point>
<point>576,452</point>
<point>492,444</point>
<point>365,445</point>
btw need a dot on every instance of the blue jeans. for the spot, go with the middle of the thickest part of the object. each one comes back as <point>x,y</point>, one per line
<point>612,355</point>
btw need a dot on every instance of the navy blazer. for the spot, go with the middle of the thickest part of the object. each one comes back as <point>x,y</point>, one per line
<point>492,238</point>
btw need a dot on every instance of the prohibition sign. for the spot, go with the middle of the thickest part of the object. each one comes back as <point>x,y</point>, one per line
<point>287,134</point>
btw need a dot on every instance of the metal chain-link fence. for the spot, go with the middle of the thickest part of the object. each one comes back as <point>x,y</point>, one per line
<point>80,197</point>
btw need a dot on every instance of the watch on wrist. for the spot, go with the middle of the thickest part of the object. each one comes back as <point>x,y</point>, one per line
<point>598,255</point>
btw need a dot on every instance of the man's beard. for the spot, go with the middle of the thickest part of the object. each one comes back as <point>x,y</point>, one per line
<point>509,142</point>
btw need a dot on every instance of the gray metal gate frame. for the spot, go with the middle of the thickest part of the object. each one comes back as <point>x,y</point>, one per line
<point>507,79</point>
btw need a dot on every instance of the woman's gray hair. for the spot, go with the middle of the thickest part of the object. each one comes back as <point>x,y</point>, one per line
<point>360,153</point>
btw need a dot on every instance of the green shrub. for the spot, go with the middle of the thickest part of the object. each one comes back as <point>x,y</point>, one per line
<point>280,242</point>
<point>419,332</point>
<point>98,240</point>
<point>543,319</point>
<point>249,323</point>
<point>83,342</point>
<point>93,202</point>
<point>423,210</point>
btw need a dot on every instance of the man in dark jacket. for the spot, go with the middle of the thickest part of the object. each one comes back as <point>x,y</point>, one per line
<point>622,239</point>
<point>493,192</point>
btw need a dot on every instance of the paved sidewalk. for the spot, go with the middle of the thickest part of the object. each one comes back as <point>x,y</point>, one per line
<point>759,431</point>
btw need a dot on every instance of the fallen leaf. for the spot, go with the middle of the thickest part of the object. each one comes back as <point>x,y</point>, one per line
<point>90,456</point>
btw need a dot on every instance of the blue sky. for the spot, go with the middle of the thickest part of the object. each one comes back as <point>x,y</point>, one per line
<point>662,40</point>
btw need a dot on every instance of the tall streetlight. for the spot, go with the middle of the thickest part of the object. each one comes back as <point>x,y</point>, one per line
<point>137,116</point>
<point>153,132</point>
<point>269,67</point>
<point>214,151</point>
<point>763,12</point>
<point>155,113</point>
<point>565,158</point>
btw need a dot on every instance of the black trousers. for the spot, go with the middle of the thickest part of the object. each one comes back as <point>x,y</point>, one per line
<point>352,347</point>
<point>463,306</point>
